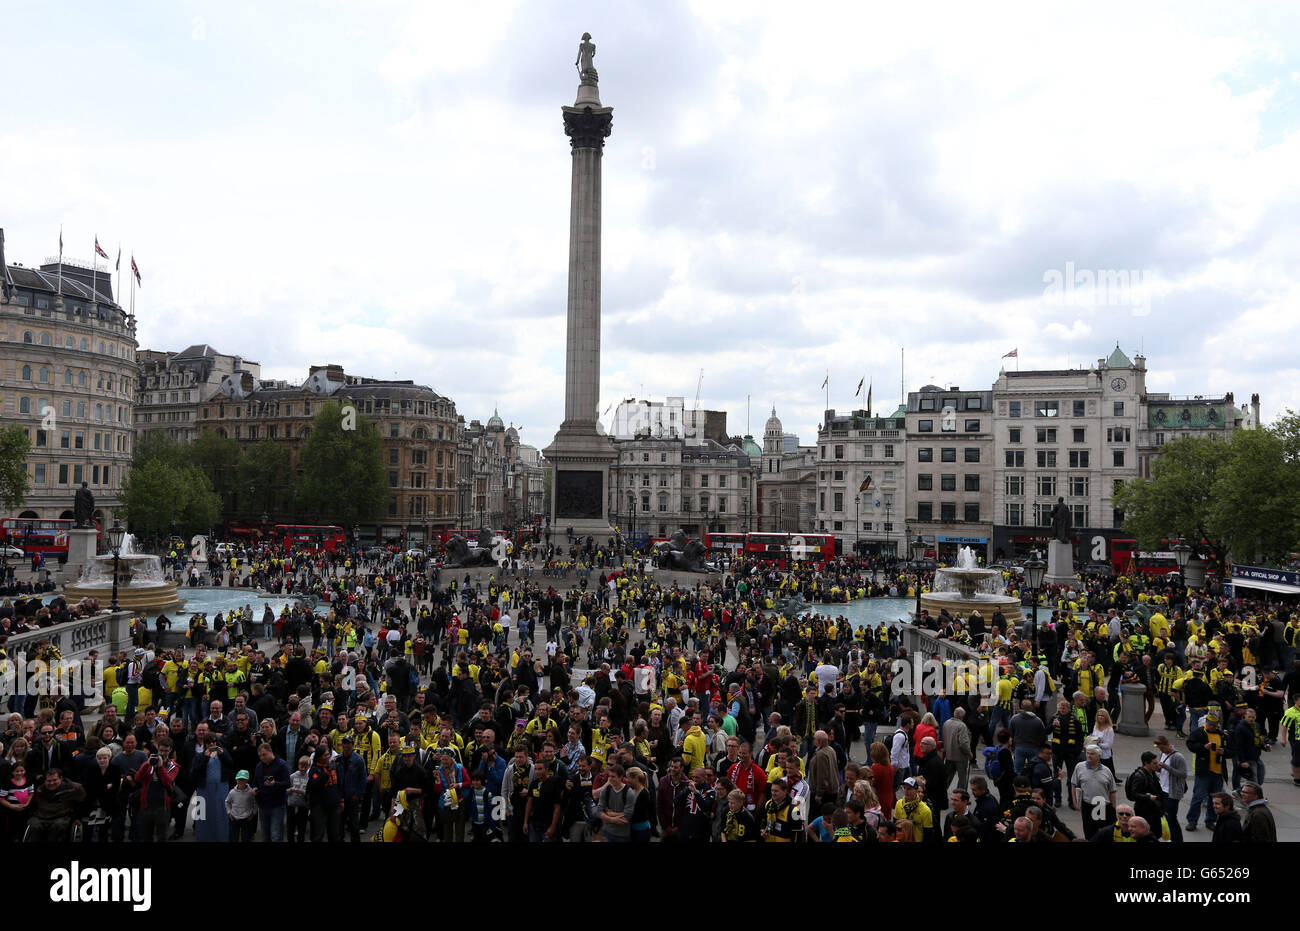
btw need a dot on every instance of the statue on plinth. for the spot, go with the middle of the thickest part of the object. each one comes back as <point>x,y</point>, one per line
<point>83,508</point>
<point>685,554</point>
<point>1061,522</point>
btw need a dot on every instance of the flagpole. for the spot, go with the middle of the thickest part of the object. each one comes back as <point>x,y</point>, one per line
<point>94,272</point>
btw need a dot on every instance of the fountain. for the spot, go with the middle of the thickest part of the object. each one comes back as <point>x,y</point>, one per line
<point>965,587</point>
<point>140,583</point>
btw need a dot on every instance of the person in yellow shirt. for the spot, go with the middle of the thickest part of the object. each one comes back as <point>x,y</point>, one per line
<point>912,808</point>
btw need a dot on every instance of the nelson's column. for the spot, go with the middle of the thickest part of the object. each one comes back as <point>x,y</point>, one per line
<point>581,455</point>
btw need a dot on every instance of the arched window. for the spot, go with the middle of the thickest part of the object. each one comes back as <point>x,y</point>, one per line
<point>27,373</point>
<point>81,379</point>
<point>44,374</point>
<point>27,337</point>
<point>67,376</point>
<point>71,342</point>
<point>67,408</point>
<point>99,412</point>
<point>45,339</point>
<point>85,344</point>
<point>24,405</point>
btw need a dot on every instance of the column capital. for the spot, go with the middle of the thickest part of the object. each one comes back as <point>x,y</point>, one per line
<point>587,127</point>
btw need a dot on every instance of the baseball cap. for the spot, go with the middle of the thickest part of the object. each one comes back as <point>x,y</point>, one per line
<point>909,781</point>
<point>242,774</point>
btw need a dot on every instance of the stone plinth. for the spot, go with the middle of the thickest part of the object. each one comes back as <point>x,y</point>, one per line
<point>81,551</point>
<point>961,608</point>
<point>1060,564</point>
<point>1132,710</point>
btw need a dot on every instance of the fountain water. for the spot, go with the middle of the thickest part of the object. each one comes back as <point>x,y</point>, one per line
<point>140,582</point>
<point>966,587</point>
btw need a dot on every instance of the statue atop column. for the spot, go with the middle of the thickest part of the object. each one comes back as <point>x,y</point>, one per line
<point>586,52</point>
<point>83,507</point>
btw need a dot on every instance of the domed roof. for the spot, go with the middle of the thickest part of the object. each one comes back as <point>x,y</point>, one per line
<point>495,422</point>
<point>512,434</point>
<point>931,388</point>
<point>751,448</point>
<point>773,424</point>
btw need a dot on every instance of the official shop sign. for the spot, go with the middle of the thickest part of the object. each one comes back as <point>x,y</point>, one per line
<point>1259,574</point>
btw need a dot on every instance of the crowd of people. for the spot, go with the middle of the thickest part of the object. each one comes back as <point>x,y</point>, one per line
<point>398,701</point>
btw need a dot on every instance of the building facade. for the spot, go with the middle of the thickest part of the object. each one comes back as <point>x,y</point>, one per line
<point>418,427</point>
<point>862,480</point>
<point>787,482</point>
<point>950,470</point>
<point>68,379</point>
<point>663,484</point>
<point>171,386</point>
<point>1071,434</point>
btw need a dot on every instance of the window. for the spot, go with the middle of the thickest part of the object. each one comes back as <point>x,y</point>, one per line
<point>1015,515</point>
<point>1079,515</point>
<point>925,511</point>
<point>392,479</point>
<point>1046,434</point>
<point>663,481</point>
<point>393,431</point>
<point>1119,408</point>
<point>1079,433</point>
<point>973,426</point>
<point>686,481</point>
<point>1119,434</point>
<point>663,457</point>
<point>663,503</point>
<point>948,454</point>
<point>924,482</point>
<point>927,404</point>
<point>947,482</point>
<point>392,456</point>
<point>971,512</point>
<point>1078,459</point>
<point>973,404</point>
<point>889,451</point>
<point>1078,408</point>
<point>823,452</point>
<point>1046,408</point>
<point>925,454</point>
<point>1078,486</point>
<point>78,474</point>
<point>971,454</point>
<point>1013,409</point>
<point>948,511</point>
<point>24,405</point>
<point>839,501</point>
<point>925,426</point>
<point>1015,458</point>
<point>40,474</point>
<point>1046,485</point>
<point>1013,435</point>
<point>1119,458</point>
<point>972,482</point>
<point>839,452</point>
<point>63,474</point>
<point>65,439</point>
<point>839,475</point>
<point>1014,485</point>
<point>1047,459</point>
<point>704,481</point>
<point>866,451</point>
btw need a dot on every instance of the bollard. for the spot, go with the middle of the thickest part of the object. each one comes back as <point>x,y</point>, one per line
<point>1132,712</point>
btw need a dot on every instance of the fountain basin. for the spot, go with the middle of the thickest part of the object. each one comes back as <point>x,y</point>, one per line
<point>966,587</point>
<point>140,584</point>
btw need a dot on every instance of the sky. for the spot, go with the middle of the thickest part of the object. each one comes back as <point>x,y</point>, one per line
<point>793,193</point>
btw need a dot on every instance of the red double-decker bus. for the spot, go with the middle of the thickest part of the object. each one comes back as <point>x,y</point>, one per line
<point>799,547</point>
<point>308,537</point>
<point>731,544</point>
<point>38,535</point>
<point>1127,559</point>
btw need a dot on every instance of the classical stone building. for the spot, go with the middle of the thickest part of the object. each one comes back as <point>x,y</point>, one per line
<point>67,377</point>
<point>950,470</point>
<point>417,424</point>
<point>662,484</point>
<point>787,482</point>
<point>862,487</point>
<point>172,385</point>
<point>500,481</point>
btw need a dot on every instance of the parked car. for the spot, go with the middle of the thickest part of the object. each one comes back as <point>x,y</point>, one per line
<point>12,552</point>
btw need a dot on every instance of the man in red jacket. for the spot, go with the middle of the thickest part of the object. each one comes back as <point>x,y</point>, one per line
<point>749,777</point>
<point>156,778</point>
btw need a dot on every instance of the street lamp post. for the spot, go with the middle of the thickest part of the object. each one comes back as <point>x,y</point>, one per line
<point>1035,568</point>
<point>115,535</point>
<point>918,554</point>
<point>857,521</point>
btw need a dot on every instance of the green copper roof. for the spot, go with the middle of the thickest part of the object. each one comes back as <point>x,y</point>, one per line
<point>1118,360</point>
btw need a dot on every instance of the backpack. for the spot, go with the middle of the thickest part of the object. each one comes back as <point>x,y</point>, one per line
<point>992,768</point>
<point>150,678</point>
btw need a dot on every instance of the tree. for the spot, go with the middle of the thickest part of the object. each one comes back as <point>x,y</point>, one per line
<point>217,457</point>
<point>1177,500</point>
<point>1255,509</point>
<point>264,478</point>
<point>15,445</point>
<point>343,467</point>
<point>162,489</point>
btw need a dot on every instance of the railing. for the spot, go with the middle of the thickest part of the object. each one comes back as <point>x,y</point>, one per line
<point>74,639</point>
<point>924,644</point>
